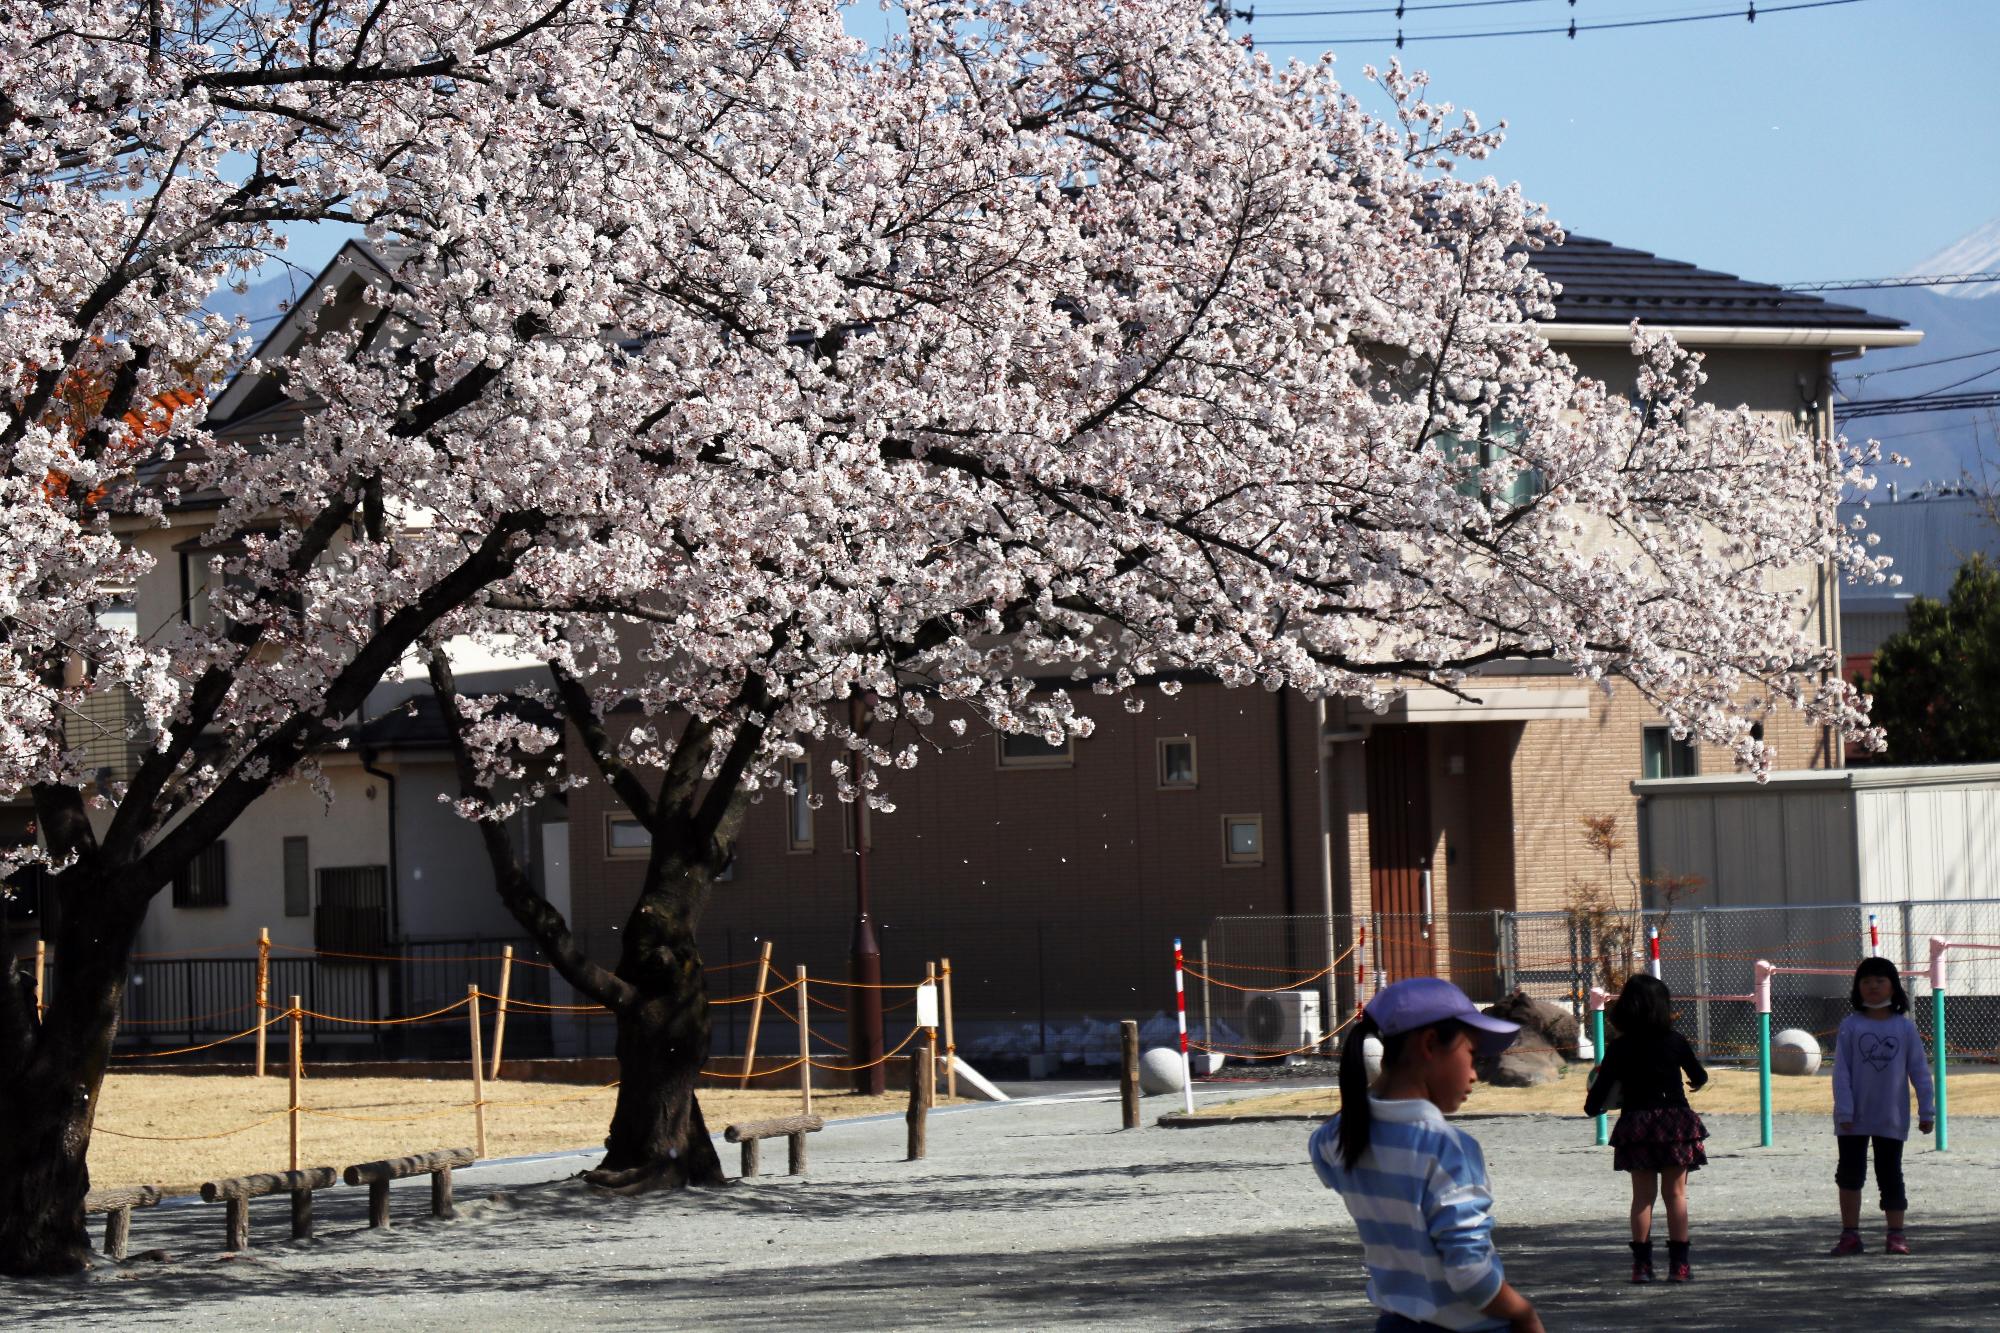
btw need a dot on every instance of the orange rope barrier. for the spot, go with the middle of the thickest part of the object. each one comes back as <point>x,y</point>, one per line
<point>381,1022</point>
<point>189,1050</point>
<point>182,1022</point>
<point>884,1058</point>
<point>189,1138</point>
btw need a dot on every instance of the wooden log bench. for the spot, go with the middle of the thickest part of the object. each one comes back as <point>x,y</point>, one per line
<point>377,1175</point>
<point>792,1127</point>
<point>238,1191</point>
<point>117,1206</point>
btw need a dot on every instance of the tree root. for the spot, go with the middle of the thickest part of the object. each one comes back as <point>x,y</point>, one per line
<point>650,1178</point>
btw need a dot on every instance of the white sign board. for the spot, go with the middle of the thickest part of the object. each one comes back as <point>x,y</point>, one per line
<point>927,1005</point>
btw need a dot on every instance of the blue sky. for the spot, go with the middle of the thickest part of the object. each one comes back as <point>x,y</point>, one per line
<point>1844,142</point>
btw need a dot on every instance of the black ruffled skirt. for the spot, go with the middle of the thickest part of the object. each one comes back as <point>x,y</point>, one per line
<point>1668,1139</point>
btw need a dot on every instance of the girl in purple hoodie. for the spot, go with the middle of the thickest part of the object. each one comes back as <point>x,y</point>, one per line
<point>1878,1057</point>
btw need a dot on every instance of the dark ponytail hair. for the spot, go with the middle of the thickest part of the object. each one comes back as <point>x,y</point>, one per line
<point>1357,1118</point>
<point>1871,966</point>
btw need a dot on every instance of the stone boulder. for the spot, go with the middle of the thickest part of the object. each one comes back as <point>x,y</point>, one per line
<point>1160,1071</point>
<point>1795,1051</point>
<point>1554,1023</point>
<point>1530,1062</point>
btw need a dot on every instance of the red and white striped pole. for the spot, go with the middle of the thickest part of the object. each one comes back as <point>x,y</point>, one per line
<point>1361,967</point>
<point>1653,948</point>
<point>1180,1003</point>
<point>1874,937</point>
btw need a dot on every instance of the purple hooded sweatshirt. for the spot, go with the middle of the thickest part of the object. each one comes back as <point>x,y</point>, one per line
<point>1876,1062</point>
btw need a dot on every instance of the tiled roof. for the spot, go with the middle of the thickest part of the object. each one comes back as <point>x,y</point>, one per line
<point>1604,283</point>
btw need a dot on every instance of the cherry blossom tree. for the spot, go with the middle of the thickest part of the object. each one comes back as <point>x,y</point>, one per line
<point>736,372</point>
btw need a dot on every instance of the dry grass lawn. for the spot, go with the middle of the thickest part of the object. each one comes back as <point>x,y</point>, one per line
<point>1728,1090</point>
<point>187,1118</point>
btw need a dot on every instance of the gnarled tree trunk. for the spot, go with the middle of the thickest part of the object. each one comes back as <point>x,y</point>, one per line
<point>658,1138</point>
<point>51,1074</point>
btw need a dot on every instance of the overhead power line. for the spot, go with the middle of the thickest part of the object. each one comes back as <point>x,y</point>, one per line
<point>1876,284</point>
<point>1749,12</point>
<point>1895,407</point>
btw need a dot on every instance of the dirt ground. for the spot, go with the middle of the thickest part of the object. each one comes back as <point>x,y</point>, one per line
<point>1728,1090</point>
<point>186,1121</point>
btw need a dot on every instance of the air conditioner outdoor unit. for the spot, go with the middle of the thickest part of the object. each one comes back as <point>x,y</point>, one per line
<point>1281,1021</point>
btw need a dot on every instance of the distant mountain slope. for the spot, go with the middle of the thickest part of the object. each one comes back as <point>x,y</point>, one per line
<point>1941,446</point>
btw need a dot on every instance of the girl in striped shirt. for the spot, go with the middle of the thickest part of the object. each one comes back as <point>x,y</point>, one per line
<point>1415,1185</point>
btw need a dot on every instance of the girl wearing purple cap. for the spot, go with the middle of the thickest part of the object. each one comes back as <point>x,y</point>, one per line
<point>1658,1138</point>
<point>1415,1184</point>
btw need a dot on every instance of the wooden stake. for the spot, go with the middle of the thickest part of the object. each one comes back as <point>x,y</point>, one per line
<point>263,996</point>
<point>805,1049</point>
<point>41,971</point>
<point>756,1013</point>
<point>298,1071</point>
<point>478,1083</point>
<point>500,1014</point>
<point>930,1063</point>
<point>1128,1072</point>
<point>930,1040</point>
<point>950,1045</point>
<point>922,1085</point>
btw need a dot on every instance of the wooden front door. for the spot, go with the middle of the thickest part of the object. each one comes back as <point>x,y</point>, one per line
<point>1399,847</point>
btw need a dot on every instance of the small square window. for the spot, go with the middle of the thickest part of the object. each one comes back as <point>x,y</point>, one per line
<point>1177,761</point>
<point>1028,750</point>
<point>204,881</point>
<point>1243,840</point>
<point>798,809</point>
<point>625,836</point>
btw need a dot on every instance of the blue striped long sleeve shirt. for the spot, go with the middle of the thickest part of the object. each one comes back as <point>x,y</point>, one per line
<point>1424,1212</point>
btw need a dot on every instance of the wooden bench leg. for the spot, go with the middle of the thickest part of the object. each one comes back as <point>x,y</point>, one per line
<point>239,1224</point>
<point>117,1231</point>
<point>797,1166</point>
<point>441,1205</point>
<point>378,1204</point>
<point>749,1158</point>
<point>302,1214</point>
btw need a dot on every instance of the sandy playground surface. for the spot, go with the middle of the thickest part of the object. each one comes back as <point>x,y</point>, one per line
<point>187,1119</point>
<point>1729,1091</point>
<point>1044,1214</point>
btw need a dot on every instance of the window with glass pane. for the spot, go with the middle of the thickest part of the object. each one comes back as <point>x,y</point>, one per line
<point>1242,840</point>
<point>298,878</point>
<point>1485,462</point>
<point>1665,757</point>
<point>626,836</point>
<point>1026,750</point>
<point>1177,761</point>
<point>800,834</point>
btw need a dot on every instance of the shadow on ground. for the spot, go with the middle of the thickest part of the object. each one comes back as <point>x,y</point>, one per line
<point>558,1244</point>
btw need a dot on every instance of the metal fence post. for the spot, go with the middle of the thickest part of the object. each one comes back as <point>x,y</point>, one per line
<point>1700,935</point>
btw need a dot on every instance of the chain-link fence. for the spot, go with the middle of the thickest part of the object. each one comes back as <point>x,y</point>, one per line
<point>1708,957</point>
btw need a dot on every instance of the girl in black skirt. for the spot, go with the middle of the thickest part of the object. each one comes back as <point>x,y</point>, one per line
<point>1658,1138</point>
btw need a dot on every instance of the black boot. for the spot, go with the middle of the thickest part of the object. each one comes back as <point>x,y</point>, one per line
<point>1678,1269</point>
<point>1642,1260</point>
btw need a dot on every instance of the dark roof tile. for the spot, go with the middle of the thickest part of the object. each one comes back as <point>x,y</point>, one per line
<point>1604,283</point>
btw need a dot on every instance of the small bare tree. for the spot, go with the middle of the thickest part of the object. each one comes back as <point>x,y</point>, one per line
<point>1609,921</point>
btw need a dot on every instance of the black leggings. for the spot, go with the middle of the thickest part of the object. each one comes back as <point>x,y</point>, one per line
<point>1391,1322</point>
<point>1852,1173</point>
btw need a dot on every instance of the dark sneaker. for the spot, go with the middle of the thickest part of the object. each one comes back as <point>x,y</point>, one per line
<point>1849,1243</point>
<point>1897,1244</point>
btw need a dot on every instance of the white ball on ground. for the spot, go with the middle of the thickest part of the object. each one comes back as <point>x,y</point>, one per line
<point>1160,1071</point>
<point>1371,1056</point>
<point>1795,1051</point>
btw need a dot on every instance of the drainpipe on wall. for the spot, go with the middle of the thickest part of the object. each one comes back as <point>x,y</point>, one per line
<point>395,892</point>
<point>1326,869</point>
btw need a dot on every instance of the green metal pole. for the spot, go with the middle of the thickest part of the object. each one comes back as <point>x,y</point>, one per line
<point>1764,1080</point>
<point>1597,1042</point>
<point>1938,1063</point>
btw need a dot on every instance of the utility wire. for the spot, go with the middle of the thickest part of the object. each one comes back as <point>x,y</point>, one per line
<point>1750,12</point>
<point>1875,284</point>
<point>1397,10</point>
<point>1891,407</point>
<point>1920,365</point>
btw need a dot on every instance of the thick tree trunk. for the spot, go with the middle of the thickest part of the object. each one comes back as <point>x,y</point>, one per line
<point>50,1078</point>
<point>658,1138</point>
